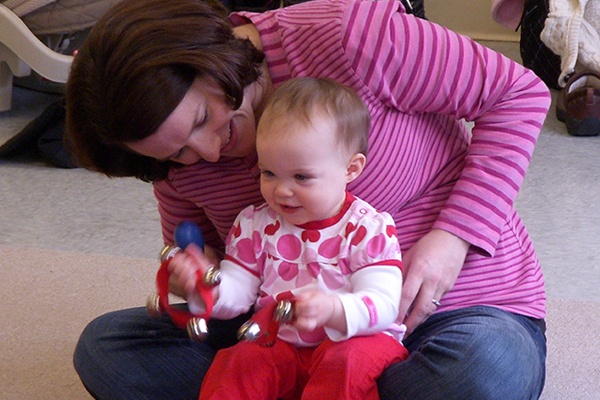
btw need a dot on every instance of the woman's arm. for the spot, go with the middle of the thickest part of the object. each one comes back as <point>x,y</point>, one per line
<point>419,67</point>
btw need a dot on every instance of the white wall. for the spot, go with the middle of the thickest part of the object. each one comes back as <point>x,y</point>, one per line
<point>469,17</point>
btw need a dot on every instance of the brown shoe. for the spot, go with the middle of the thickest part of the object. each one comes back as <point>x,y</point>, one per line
<point>578,104</point>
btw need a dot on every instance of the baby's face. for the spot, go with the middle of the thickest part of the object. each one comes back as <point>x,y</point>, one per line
<point>304,169</point>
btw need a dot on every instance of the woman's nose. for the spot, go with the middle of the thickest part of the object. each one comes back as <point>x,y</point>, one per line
<point>208,147</point>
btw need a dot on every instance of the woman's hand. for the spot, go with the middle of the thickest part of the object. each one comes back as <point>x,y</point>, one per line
<point>432,266</point>
<point>184,266</point>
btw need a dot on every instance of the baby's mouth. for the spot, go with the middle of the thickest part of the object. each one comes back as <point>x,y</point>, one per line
<point>289,209</point>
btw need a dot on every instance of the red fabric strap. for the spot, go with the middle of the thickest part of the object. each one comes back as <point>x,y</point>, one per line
<point>265,318</point>
<point>180,317</point>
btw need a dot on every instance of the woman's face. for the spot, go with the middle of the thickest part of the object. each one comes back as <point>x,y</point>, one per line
<point>202,127</point>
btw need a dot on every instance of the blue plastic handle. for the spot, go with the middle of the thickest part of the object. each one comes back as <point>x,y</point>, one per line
<point>188,232</point>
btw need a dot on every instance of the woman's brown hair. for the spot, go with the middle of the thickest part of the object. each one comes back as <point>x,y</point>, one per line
<point>133,70</point>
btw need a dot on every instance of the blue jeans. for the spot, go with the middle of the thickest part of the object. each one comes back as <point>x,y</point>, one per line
<point>472,353</point>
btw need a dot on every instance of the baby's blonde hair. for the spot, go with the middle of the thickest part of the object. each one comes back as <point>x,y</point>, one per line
<point>302,99</point>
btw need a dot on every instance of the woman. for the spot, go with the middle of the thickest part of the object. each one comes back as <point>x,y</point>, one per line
<point>167,92</point>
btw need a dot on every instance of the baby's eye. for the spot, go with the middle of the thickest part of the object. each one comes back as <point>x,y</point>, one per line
<point>267,174</point>
<point>300,177</point>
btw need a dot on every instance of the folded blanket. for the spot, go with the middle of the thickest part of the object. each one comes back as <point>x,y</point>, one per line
<point>572,30</point>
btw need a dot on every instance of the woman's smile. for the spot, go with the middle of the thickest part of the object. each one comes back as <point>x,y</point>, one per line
<point>228,143</point>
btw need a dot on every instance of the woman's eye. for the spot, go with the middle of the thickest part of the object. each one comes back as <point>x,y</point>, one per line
<point>179,153</point>
<point>205,117</point>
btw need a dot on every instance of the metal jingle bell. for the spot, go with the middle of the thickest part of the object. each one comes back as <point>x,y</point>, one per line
<point>250,331</point>
<point>212,276</point>
<point>168,252</point>
<point>153,307</point>
<point>284,312</point>
<point>197,329</point>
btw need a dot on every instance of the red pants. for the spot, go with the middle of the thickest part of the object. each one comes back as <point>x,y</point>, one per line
<point>333,370</point>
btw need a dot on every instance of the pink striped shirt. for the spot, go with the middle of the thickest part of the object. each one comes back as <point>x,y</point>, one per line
<point>425,169</point>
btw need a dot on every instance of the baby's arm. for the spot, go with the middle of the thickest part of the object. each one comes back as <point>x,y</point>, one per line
<point>235,294</point>
<point>371,307</point>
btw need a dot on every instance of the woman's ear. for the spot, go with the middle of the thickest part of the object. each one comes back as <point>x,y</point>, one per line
<point>355,166</point>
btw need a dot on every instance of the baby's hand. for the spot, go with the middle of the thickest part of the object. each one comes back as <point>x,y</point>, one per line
<point>184,267</point>
<point>315,308</point>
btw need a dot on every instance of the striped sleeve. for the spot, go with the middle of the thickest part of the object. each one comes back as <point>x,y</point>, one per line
<point>174,209</point>
<point>210,194</point>
<point>416,66</point>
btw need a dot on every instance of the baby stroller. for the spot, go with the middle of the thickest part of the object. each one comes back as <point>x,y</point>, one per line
<point>37,38</point>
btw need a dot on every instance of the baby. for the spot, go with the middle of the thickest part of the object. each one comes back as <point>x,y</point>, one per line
<point>313,241</point>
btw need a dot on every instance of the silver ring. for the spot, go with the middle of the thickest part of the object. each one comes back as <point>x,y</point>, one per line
<point>436,302</point>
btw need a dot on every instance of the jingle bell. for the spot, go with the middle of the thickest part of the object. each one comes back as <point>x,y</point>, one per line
<point>284,312</point>
<point>197,329</point>
<point>212,276</point>
<point>153,307</point>
<point>250,331</point>
<point>262,328</point>
<point>168,252</point>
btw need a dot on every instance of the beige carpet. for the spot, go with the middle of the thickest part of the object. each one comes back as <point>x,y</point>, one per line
<point>48,297</point>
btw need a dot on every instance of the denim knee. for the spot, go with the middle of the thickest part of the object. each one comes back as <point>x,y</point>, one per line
<point>127,355</point>
<point>472,353</point>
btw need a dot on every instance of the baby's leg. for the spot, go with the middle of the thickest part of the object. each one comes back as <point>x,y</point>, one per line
<point>355,363</point>
<point>248,370</point>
